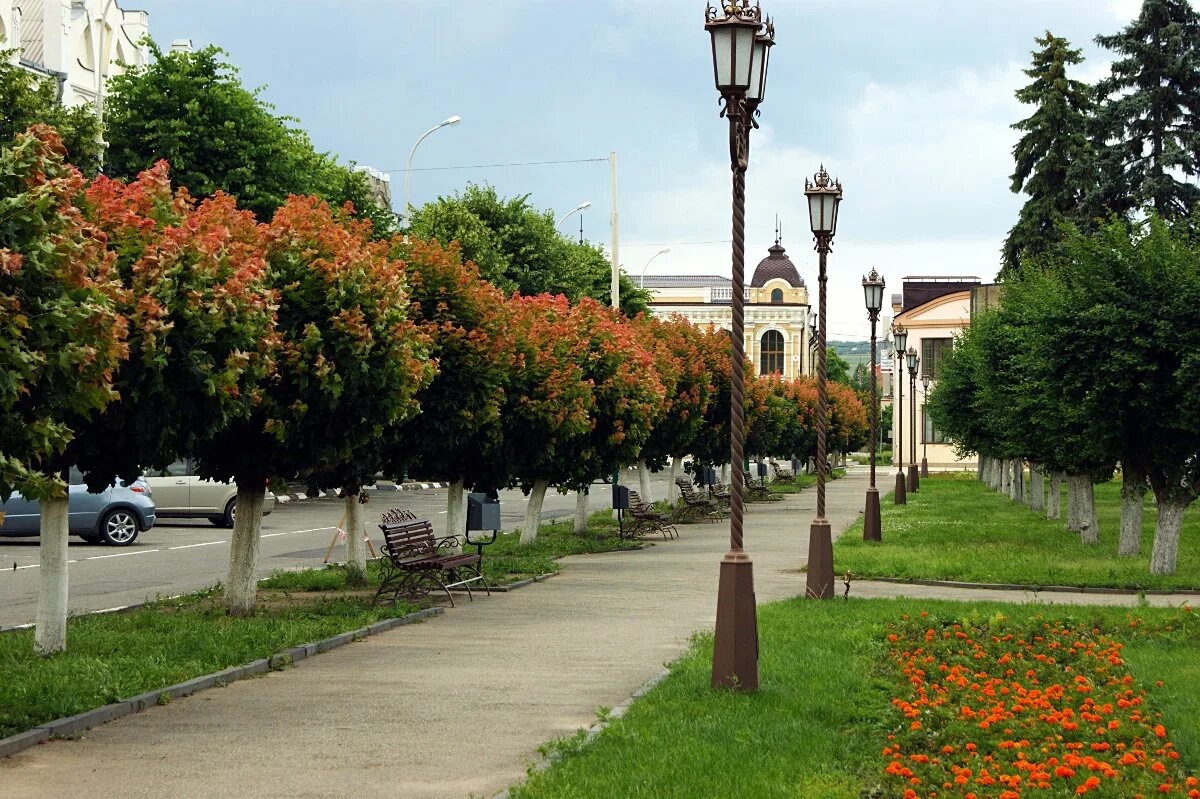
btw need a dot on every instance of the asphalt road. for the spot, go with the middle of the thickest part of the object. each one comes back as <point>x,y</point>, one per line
<point>178,556</point>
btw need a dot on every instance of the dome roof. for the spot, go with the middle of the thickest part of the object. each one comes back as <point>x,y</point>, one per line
<point>776,265</point>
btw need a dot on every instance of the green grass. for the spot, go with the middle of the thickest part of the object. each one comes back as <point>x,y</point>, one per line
<point>816,727</point>
<point>119,655</point>
<point>508,560</point>
<point>802,481</point>
<point>955,528</point>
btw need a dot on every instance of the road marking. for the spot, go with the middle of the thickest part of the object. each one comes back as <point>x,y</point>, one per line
<point>205,544</point>
<point>122,554</point>
<point>443,511</point>
<point>313,530</point>
<point>30,566</point>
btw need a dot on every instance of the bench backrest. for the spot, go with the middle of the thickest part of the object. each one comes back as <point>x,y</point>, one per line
<point>686,487</point>
<point>636,505</point>
<point>408,540</point>
<point>397,515</point>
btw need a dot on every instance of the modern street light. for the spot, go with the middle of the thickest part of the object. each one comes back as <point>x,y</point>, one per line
<point>899,339</point>
<point>824,196</point>
<point>913,362</point>
<point>575,210</point>
<point>642,279</point>
<point>448,122</point>
<point>924,434</point>
<point>741,44</point>
<point>873,286</point>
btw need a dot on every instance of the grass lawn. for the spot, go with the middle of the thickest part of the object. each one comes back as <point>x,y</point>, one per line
<point>819,724</point>
<point>955,528</point>
<point>119,655</point>
<point>801,482</point>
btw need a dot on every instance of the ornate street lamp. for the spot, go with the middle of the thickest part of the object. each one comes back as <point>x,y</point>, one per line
<point>924,414</point>
<point>741,46</point>
<point>913,362</point>
<point>873,286</point>
<point>824,196</point>
<point>899,339</point>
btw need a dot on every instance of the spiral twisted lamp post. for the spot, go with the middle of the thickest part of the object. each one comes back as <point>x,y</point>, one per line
<point>925,379</point>
<point>873,286</point>
<point>741,44</point>
<point>899,339</point>
<point>914,361</point>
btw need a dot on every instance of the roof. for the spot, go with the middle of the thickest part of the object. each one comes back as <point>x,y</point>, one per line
<point>920,290</point>
<point>678,281</point>
<point>776,266</point>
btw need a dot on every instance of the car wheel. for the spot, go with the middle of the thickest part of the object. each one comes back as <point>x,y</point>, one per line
<point>230,511</point>
<point>119,528</point>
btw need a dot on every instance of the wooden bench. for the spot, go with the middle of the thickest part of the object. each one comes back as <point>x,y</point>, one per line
<point>695,505</point>
<point>756,491</point>
<point>414,562</point>
<point>783,474</point>
<point>647,521</point>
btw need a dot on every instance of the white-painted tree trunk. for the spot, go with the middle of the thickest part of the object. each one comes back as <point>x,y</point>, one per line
<point>50,630</point>
<point>1166,535</point>
<point>644,481</point>
<point>1037,488</point>
<point>980,467</point>
<point>1073,500</point>
<point>725,474</point>
<point>672,489</point>
<point>356,550</point>
<point>1133,496</point>
<point>242,583</point>
<point>1054,496</point>
<point>1019,482</point>
<point>456,511</point>
<point>1005,478</point>
<point>533,511</point>
<point>581,511</point>
<point>1081,508</point>
<point>998,475</point>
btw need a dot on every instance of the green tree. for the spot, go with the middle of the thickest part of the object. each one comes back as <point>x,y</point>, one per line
<point>191,110</point>
<point>61,340</point>
<point>1053,157</point>
<point>27,99</point>
<point>517,247</point>
<point>1148,123</point>
<point>836,368</point>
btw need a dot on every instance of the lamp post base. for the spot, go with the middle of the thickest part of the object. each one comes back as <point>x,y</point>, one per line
<point>912,478</point>
<point>820,560</point>
<point>924,468</point>
<point>735,648</point>
<point>871,526</point>
<point>900,495</point>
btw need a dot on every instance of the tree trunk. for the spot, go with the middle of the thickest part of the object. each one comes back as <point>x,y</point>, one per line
<point>672,489</point>
<point>533,511</point>
<point>1081,508</point>
<point>1037,488</point>
<point>1019,482</point>
<point>725,473</point>
<point>1073,502</point>
<point>1166,534</point>
<point>50,631</point>
<point>242,583</point>
<point>980,467</point>
<point>456,511</point>
<point>1006,478</point>
<point>644,481</point>
<point>998,474</point>
<point>581,511</point>
<point>1054,496</point>
<point>356,552</point>
<point>1133,495</point>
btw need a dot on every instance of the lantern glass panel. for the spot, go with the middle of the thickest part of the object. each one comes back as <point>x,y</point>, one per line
<point>901,338</point>
<point>722,44</point>
<point>758,70</point>
<point>742,61</point>
<point>912,360</point>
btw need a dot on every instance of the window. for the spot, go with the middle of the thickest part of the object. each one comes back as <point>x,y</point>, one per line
<point>771,346</point>
<point>776,295</point>
<point>929,434</point>
<point>933,350</point>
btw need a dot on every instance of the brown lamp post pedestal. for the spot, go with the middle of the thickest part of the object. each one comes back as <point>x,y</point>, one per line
<point>873,286</point>
<point>900,338</point>
<point>741,44</point>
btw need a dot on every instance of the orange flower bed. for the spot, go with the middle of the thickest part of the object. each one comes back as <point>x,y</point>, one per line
<point>988,712</point>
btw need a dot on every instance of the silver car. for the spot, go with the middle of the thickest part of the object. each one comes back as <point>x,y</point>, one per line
<point>115,516</point>
<point>181,494</point>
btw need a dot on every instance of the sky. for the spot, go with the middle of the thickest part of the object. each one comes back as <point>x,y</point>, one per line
<point>908,102</point>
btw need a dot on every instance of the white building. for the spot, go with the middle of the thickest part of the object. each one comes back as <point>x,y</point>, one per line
<point>80,43</point>
<point>777,311</point>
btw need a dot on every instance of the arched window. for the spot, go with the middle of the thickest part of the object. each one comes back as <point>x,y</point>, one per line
<point>771,346</point>
<point>776,295</point>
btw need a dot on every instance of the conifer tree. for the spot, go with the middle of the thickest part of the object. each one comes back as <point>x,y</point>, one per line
<point>1148,124</point>
<point>1053,156</point>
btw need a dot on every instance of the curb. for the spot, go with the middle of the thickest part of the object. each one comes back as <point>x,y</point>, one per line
<point>503,589</point>
<point>409,486</point>
<point>74,725</point>
<point>597,728</point>
<point>1064,589</point>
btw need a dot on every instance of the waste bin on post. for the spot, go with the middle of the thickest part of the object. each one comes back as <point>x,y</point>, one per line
<point>620,503</point>
<point>483,514</point>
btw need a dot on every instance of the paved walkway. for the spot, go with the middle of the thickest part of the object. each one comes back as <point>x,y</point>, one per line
<point>454,707</point>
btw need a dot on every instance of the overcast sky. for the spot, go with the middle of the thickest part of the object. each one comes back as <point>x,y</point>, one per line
<point>908,102</point>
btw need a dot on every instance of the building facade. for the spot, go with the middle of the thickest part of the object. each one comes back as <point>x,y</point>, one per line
<point>777,311</point>
<point>80,43</point>
<point>933,311</point>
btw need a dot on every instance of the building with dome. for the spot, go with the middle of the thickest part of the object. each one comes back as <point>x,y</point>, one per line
<point>777,310</point>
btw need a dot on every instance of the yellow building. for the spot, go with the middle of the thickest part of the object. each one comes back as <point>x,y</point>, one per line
<point>777,311</point>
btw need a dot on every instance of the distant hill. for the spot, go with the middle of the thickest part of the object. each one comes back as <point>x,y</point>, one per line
<point>852,352</point>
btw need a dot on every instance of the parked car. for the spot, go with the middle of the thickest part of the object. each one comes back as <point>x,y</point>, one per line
<point>115,516</point>
<point>180,494</point>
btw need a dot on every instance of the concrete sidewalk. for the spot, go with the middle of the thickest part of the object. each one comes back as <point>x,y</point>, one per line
<point>453,707</point>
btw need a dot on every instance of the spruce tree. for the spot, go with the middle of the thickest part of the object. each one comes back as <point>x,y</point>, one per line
<point>1148,124</point>
<point>1053,157</point>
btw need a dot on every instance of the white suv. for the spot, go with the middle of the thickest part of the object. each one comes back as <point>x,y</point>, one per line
<point>180,494</point>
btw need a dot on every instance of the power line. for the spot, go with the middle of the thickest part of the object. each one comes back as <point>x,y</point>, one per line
<point>673,243</point>
<point>492,166</point>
